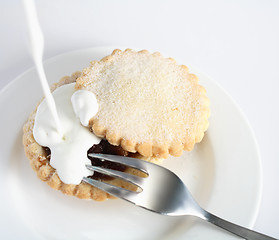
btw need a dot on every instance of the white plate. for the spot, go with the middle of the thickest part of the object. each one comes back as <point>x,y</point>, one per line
<point>223,173</point>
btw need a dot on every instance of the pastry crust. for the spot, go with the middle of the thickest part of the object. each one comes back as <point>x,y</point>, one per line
<point>40,161</point>
<point>147,104</point>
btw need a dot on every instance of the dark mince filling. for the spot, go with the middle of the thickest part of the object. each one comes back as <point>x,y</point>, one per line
<point>106,148</point>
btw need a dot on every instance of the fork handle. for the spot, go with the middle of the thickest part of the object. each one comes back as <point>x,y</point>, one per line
<point>235,229</point>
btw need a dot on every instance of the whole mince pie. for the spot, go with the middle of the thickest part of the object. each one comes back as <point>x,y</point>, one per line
<point>148,107</point>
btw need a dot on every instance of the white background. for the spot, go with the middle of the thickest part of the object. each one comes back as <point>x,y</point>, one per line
<point>236,43</point>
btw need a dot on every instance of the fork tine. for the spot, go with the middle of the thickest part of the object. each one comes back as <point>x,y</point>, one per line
<point>138,181</point>
<point>112,189</point>
<point>131,162</point>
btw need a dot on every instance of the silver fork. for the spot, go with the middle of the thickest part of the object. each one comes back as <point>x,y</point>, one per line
<point>161,192</point>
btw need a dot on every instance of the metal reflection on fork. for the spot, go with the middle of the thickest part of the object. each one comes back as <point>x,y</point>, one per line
<point>161,192</point>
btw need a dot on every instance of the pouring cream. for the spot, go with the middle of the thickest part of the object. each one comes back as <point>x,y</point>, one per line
<point>69,149</point>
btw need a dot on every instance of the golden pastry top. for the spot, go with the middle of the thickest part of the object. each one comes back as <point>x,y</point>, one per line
<point>147,103</point>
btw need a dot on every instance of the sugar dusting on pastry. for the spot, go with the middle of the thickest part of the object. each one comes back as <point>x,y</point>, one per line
<point>144,97</point>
